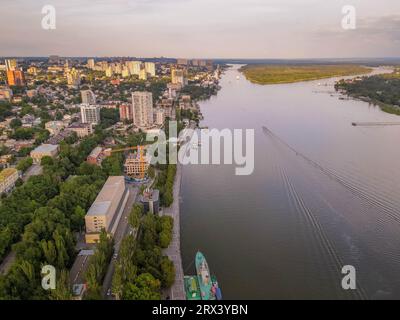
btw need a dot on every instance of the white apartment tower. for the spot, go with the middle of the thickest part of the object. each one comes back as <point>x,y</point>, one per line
<point>90,63</point>
<point>90,114</point>
<point>142,108</point>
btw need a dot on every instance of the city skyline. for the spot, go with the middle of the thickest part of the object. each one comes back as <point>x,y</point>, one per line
<point>202,29</point>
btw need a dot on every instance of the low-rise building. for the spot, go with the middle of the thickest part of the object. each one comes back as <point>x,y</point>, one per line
<point>6,93</point>
<point>8,177</point>
<point>106,210</point>
<point>82,129</point>
<point>96,156</point>
<point>150,200</point>
<point>44,150</point>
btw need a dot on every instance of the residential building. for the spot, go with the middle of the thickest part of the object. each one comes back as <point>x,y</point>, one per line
<point>150,68</point>
<point>142,108</point>
<point>159,116</point>
<point>178,76</point>
<point>151,201</point>
<point>11,64</point>
<point>33,70</point>
<point>183,62</point>
<point>8,177</point>
<point>90,64</point>
<point>44,150</point>
<point>125,112</point>
<point>106,210</point>
<point>88,97</point>
<point>31,93</point>
<point>73,78</point>
<point>125,72</point>
<point>134,67</point>
<point>81,129</point>
<point>96,156</point>
<point>90,114</point>
<point>109,72</point>
<point>143,74</point>
<point>15,78</point>
<point>6,93</point>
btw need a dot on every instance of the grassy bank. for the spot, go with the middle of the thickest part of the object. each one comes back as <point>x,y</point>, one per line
<point>276,74</point>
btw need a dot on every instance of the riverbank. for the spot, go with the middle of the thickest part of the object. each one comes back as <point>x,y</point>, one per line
<point>379,90</point>
<point>281,74</point>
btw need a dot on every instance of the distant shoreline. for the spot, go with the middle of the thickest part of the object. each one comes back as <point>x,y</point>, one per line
<point>286,74</point>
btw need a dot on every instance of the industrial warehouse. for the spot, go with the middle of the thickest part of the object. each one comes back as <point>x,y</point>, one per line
<point>106,210</point>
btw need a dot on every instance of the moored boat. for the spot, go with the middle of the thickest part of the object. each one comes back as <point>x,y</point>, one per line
<point>208,284</point>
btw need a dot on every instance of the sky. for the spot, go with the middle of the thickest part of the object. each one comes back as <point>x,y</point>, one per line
<point>285,29</point>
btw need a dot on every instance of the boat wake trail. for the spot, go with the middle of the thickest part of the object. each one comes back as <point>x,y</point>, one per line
<point>320,239</point>
<point>386,206</point>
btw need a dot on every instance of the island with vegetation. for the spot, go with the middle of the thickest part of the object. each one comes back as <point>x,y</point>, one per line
<point>382,90</point>
<point>278,74</point>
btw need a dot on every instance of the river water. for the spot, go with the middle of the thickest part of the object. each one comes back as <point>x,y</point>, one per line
<point>323,194</point>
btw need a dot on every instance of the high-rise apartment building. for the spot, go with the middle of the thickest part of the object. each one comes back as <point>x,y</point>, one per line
<point>150,68</point>
<point>90,114</point>
<point>179,77</point>
<point>15,78</point>
<point>143,73</point>
<point>90,63</point>
<point>134,67</point>
<point>142,108</point>
<point>73,77</point>
<point>11,64</point>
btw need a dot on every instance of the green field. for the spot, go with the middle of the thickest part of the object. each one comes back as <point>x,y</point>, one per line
<point>275,74</point>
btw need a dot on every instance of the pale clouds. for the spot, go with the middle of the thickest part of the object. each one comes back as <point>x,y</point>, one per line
<point>201,28</point>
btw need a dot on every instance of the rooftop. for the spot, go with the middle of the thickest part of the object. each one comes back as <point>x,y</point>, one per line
<point>96,152</point>
<point>46,148</point>
<point>111,192</point>
<point>6,173</point>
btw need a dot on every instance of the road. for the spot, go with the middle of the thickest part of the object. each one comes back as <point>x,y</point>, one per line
<point>177,291</point>
<point>33,170</point>
<point>120,233</point>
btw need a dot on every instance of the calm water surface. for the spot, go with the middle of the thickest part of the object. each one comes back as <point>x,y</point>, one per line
<point>323,194</point>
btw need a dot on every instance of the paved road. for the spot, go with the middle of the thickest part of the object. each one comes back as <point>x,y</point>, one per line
<point>33,170</point>
<point>122,230</point>
<point>177,291</point>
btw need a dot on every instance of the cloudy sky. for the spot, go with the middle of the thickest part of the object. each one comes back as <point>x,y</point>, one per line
<point>201,28</point>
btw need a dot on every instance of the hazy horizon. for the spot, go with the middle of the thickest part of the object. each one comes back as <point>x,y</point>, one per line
<point>218,29</point>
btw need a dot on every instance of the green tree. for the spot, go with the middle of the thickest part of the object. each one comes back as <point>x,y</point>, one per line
<point>145,287</point>
<point>24,164</point>
<point>15,123</point>
<point>63,289</point>
<point>168,272</point>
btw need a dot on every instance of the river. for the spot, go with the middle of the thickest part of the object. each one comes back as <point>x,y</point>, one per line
<point>323,194</point>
